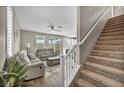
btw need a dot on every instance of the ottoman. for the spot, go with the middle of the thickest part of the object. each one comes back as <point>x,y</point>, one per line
<point>52,61</point>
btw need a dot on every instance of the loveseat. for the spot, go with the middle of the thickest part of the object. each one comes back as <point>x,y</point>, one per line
<point>35,67</point>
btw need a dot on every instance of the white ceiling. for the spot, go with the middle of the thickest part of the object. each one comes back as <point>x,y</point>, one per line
<point>35,18</point>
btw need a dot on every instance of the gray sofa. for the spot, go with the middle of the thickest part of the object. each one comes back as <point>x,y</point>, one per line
<point>44,54</point>
<point>35,66</point>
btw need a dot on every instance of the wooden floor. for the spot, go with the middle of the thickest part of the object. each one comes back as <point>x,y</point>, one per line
<point>51,81</point>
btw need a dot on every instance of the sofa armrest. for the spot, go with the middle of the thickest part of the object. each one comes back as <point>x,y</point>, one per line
<point>36,64</point>
<point>35,70</point>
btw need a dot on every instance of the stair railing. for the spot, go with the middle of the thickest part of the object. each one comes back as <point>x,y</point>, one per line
<point>70,64</point>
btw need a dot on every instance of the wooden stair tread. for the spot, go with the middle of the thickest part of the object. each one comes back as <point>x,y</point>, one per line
<point>105,65</point>
<point>83,83</point>
<point>107,38</point>
<point>114,33</point>
<point>117,63</point>
<point>108,59</point>
<point>114,26</point>
<point>106,68</point>
<point>116,20</point>
<point>103,51</point>
<point>110,42</point>
<point>109,47</point>
<point>101,79</point>
<point>112,30</point>
<point>108,54</point>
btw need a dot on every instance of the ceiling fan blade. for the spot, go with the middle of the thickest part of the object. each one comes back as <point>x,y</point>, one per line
<point>59,26</point>
<point>57,30</point>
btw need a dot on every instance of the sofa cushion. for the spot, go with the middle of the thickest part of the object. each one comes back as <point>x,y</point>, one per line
<point>31,56</point>
<point>24,52</point>
<point>24,58</point>
<point>35,60</point>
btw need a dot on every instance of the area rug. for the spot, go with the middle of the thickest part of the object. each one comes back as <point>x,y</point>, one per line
<point>51,70</point>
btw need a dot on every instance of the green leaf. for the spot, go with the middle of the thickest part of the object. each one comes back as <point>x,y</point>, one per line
<point>13,73</point>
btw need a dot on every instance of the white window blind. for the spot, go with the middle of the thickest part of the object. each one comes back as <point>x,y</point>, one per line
<point>9,31</point>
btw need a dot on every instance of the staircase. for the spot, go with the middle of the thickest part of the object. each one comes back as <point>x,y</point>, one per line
<point>105,65</point>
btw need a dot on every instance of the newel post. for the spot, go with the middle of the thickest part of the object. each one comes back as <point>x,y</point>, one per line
<point>62,70</point>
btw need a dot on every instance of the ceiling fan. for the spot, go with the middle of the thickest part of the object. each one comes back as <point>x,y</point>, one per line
<point>53,27</point>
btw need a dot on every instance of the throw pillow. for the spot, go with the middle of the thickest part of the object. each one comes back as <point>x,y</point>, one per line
<point>31,56</point>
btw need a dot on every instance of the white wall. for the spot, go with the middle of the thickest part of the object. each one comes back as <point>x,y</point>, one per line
<point>16,30</point>
<point>88,17</point>
<point>118,10</point>
<point>2,36</point>
<point>29,37</point>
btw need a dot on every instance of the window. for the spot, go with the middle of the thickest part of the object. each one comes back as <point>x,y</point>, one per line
<point>54,41</point>
<point>58,41</point>
<point>9,31</point>
<point>40,40</point>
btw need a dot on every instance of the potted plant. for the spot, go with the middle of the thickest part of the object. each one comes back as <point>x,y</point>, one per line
<point>13,73</point>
